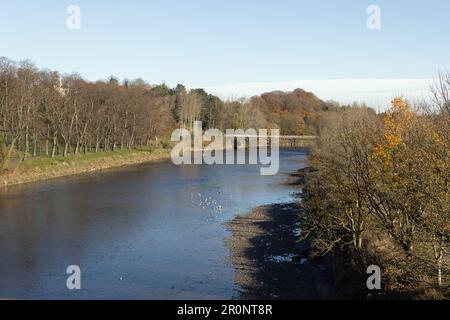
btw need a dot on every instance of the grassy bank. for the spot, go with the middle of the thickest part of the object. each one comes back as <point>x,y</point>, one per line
<point>43,168</point>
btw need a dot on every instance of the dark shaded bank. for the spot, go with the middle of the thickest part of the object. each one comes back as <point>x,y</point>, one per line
<point>271,262</point>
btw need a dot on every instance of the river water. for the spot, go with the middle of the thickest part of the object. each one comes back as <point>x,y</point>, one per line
<point>152,231</point>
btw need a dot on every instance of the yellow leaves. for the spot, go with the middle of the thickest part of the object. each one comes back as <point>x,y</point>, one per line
<point>396,123</point>
<point>397,120</point>
<point>409,142</point>
<point>393,140</point>
<point>399,104</point>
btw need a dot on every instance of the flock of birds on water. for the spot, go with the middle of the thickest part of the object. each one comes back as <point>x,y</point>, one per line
<point>210,204</point>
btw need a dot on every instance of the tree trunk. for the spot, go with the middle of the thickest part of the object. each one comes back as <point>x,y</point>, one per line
<point>55,141</point>
<point>35,147</point>
<point>27,146</point>
<point>6,154</point>
<point>46,148</point>
<point>77,146</point>
<point>66,149</point>
<point>439,273</point>
<point>439,256</point>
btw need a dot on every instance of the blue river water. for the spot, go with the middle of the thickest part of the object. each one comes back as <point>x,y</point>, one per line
<point>151,231</point>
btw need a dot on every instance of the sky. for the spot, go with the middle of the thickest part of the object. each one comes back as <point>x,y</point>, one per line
<point>239,48</point>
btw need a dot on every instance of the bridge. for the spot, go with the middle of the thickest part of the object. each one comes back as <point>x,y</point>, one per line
<point>286,141</point>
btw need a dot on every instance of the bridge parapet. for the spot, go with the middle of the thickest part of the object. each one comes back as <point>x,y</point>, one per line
<point>286,141</point>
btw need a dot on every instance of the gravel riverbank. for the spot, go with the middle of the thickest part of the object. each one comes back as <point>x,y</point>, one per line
<point>270,263</point>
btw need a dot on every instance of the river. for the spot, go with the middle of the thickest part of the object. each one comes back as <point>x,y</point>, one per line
<point>151,231</point>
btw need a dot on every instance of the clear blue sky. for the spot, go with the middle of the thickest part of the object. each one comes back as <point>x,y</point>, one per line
<point>214,43</point>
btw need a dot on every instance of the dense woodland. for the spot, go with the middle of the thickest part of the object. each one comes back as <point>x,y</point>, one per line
<point>44,113</point>
<point>378,192</point>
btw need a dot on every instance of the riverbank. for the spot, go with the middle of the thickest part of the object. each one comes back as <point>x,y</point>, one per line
<point>38,169</point>
<point>270,263</point>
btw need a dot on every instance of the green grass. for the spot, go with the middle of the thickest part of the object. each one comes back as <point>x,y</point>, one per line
<point>45,162</point>
<point>43,167</point>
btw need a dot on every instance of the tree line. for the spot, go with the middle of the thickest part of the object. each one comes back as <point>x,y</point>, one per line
<point>378,192</point>
<point>44,113</point>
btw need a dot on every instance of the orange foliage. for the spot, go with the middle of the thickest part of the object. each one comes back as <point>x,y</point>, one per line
<point>396,123</point>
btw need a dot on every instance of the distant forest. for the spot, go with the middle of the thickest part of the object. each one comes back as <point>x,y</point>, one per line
<point>44,113</point>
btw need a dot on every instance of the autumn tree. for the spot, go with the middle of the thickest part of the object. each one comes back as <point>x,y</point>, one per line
<point>387,180</point>
<point>336,204</point>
